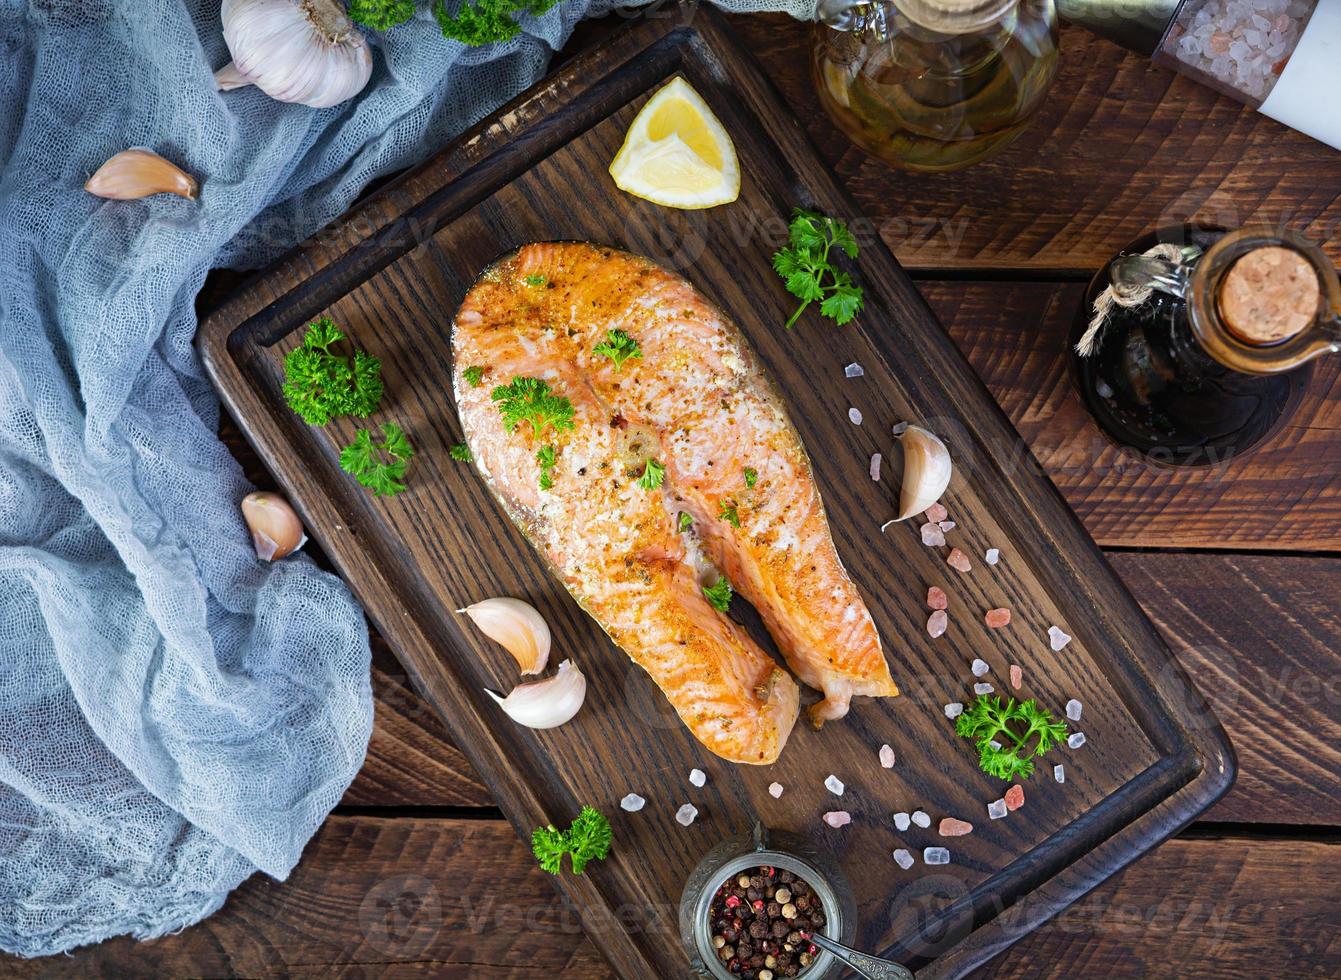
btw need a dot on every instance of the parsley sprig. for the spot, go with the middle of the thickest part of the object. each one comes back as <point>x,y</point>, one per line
<point>461,453</point>
<point>727,511</point>
<point>719,594</point>
<point>548,458</point>
<point>485,21</point>
<point>1022,730</point>
<point>654,474</point>
<point>474,375</point>
<point>532,400</point>
<point>751,477</point>
<point>381,15</point>
<point>684,522</point>
<point>808,272</point>
<point>379,466</point>
<point>320,384</point>
<point>619,347</point>
<point>588,837</point>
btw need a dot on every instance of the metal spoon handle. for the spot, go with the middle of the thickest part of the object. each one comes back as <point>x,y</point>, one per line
<point>871,967</point>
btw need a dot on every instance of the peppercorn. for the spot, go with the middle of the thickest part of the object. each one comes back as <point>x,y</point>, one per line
<point>754,894</point>
<point>779,929</point>
<point>786,877</point>
<point>758,929</point>
<point>774,910</point>
<point>757,881</point>
<point>782,896</point>
<point>743,881</point>
<point>806,959</point>
<point>765,975</point>
<point>802,902</point>
<point>789,911</point>
<point>770,961</point>
<point>718,941</point>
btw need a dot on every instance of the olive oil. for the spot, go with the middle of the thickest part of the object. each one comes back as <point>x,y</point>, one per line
<point>929,101</point>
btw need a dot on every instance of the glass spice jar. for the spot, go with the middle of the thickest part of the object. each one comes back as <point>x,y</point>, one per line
<point>933,85</point>
<point>1281,57</point>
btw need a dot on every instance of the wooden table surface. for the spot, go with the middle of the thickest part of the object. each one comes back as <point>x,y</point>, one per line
<point>416,874</point>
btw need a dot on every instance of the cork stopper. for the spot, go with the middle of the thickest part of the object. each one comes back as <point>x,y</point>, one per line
<point>955,16</point>
<point>1269,295</point>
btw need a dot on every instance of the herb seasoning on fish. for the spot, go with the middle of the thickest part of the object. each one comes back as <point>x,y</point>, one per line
<point>760,922</point>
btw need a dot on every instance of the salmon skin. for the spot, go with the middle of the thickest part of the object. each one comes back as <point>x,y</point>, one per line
<point>737,496</point>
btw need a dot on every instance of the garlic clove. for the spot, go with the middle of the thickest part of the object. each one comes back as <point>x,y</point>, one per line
<point>228,78</point>
<point>138,172</point>
<point>518,626</point>
<point>276,531</point>
<point>548,703</point>
<point>309,52</point>
<point>926,471</point>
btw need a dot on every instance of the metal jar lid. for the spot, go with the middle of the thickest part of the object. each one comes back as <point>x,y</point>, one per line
<point>1138,25</point>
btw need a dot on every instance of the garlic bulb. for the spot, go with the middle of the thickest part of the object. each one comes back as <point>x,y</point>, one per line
<point>305,51</point>
<point>548,703</point>
<point>138,172</point>
<point>276,530</point>
<point>518,626</point>
<point>926,471</point>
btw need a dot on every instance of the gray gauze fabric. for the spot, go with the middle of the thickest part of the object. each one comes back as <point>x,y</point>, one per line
<point>174,713</point>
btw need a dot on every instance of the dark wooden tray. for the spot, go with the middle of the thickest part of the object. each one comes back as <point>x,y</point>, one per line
<point>392,273</point>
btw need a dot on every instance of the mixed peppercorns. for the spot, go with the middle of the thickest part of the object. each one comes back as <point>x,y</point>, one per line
<point>761,921</point>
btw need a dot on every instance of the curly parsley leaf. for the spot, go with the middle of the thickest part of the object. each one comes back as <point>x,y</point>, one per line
<point>536,279</point>
<point>379,466</point>
<point>547,457</point>
<point>474,375</point>
<point>808,272</point>
<point>719,594</point>
<point>532,400</point>
<point>685,522</point>
<point>1023,731</point>
<point>727,511</point>
<point>485,21</point>
<point>751,477</point>
<point>587,838</point>
<point>619,347</point>
<point>320,385</point>
<point>654,474</point>
<point>461,453</point>
<point>381,15</point>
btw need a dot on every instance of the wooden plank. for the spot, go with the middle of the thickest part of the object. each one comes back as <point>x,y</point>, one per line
<point>464,899</point>
<point>1285,494</point>
<point>1120,147</point>
<point>414,558</point>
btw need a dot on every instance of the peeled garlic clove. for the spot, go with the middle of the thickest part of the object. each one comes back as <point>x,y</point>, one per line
<point>276,530</point>
<point>926,471</point>
<point>138,172</point>
<point>548,703</point>
<point>308,52</point>
<point>518,626</point>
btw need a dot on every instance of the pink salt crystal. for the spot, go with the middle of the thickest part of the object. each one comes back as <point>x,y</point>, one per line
<point>947,525</point>
<point>932,535</point>
<point>937,623</point>
<point>886,757</point>
<point>936,513</point>
<point>958,560</point>
<point>954,827</point>
<point>775,790</point>
<point>937,599</point>
<point>1056,638</point>
<point>997,618</point>
<point>1016,676</point>
<point>837,818</point>
<point>1014,797</point>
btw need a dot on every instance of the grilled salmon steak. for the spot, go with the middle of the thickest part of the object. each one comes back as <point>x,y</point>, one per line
<point>626,426</point>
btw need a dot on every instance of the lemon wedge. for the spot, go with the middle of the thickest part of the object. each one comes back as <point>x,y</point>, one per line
<point>677,153</point>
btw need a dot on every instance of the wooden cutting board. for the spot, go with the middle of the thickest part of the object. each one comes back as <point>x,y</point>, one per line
<point>392,272</point>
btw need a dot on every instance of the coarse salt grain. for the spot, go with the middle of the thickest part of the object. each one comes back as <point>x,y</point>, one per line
<point>954,827</point>
<point>886,757</point>
<point>937,623</point>
<point>853,370</point>
<point>903,858</point>
<point>921,818</point>
<point>947,525</point>
<point>979,667</point>
<point>937,599</point>
<point>775,790</point>
<point>936,855</point>
<point>1073,709</point>
<point>1059,773</point>
<point>837,818</point>
<point>1014,797</point>
<point>1075,740</point>
<point>834,785</point>
<point>983,689</point>
<point>698,777</point>
<point>686,814</point>
<point>997,618</point>
<point>899,428</point>
<point>1016,676</point>
<point>993,556</point>
<point>902,821</point>
<point>995,744</point>
<point>1056,638</point>
<point>996,809</point>
<point>958,560</point>
<point>932,535</point>
<point>875,467</point>
<point>854,416</point>
<point>936,513</point>
<point>632,803</point>
<point>953,710</point>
